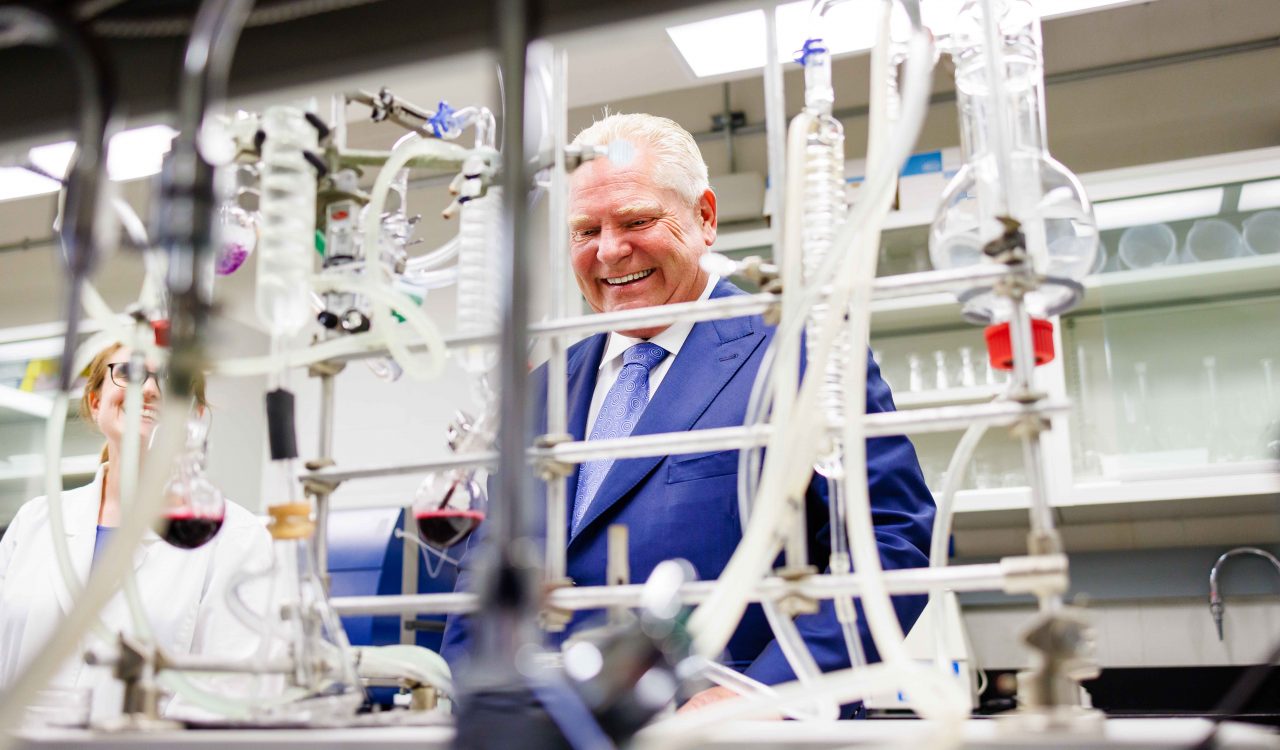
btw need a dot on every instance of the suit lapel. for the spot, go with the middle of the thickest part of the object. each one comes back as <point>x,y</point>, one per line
<point>710,357</point>
<point>583,370</point>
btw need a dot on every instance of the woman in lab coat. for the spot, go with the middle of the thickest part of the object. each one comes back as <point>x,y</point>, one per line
<point>183,591</point>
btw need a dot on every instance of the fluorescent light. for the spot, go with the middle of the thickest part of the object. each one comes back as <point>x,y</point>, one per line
<point>132,154</point>
<point>16,182</point>
<point>733,43</point>
<point>139,152</point>
<point>722,45</point>
<point>1153,209</point>
<point>1256,195</point>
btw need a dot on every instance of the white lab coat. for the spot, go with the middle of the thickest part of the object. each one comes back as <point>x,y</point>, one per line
<point>182,591</point>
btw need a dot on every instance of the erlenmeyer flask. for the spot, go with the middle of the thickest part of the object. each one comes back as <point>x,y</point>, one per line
<point>323,683</point>
<point>194,505</point>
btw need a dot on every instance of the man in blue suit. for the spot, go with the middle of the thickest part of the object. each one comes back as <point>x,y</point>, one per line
<point>638,231</point>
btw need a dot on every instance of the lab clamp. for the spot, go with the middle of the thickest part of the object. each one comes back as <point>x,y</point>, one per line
<point>1013,227</point>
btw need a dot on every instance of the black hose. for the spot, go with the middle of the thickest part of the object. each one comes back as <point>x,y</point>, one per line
<point>38,25</point>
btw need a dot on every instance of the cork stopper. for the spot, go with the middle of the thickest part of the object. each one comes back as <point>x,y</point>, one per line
<point>291,521</point>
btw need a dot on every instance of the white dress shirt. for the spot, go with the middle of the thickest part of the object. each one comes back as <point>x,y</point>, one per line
<point>611,362</point>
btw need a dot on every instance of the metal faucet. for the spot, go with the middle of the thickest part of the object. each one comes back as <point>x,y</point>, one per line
<point>1215,597</point>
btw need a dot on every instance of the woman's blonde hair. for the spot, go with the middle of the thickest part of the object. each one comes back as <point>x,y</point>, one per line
<point>96,373</point>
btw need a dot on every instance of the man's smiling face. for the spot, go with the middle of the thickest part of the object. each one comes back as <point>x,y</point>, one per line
<point>633,242</point>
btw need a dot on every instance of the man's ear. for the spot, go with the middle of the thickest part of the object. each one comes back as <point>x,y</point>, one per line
<point>707,216</point>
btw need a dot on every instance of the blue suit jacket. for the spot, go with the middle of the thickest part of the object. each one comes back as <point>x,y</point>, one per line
<point>685,506</point>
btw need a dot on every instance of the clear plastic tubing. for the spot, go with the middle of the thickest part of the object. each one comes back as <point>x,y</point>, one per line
<point>288,205</point>
<point>478,273</point>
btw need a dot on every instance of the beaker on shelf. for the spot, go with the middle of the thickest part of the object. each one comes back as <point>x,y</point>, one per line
<point>1212,239</point>
<point>941,376</point>
<point>915,373</point>
<point>1148,245</point>
<point>968,375</point>
<point>1262,233</point>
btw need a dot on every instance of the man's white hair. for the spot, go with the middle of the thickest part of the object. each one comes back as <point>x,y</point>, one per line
<point>677,162</point>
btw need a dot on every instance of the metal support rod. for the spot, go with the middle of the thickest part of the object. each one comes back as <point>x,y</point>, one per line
<point>915,421</point>
<point>893,287</point>
<point>557,364</point>
<point>507,578</point>
<point>1024,364</point>
<point>323,458</point>
<point>451,157</point>
<point>1011,575</point>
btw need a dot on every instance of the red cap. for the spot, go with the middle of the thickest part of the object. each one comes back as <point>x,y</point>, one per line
<point>160,327</point>
<point>1000,348</point>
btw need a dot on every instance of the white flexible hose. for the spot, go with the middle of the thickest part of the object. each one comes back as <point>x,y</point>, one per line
<point>784,629</point>
<point>745,686</point>
<point>382,296</point>
<point>715,620</point>
<point>434,259</point>
<point>936,697</point>
<point>405,661</point>
<point>845,685</point>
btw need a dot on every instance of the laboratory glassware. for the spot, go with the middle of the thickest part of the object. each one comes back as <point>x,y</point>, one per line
<point>1008,172</point>
<point>1218,427</point>
<point>288,206</point>
<point>1271,411</point>
<point>1148,245</point>
<point>1100,261</point>
<point>915,373</point>
<point>449,505</point>
<point>968,374</point>
<point>237,237</point>
<point>1262,233</point>
<point>478,304</point>
<point>941,375</point>
<point>195,507</point>
<point>1139,412</point>
<point>1212,239</point>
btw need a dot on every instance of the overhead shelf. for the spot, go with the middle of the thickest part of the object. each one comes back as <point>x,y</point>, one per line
<point>72,466</point>
<point>1191,281</point>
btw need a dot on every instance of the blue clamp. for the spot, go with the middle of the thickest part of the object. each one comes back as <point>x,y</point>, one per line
<point>811,47</point>
<point>442,120</point>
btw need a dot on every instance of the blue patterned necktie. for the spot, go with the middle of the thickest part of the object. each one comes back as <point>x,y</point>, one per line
<point>623,405</point>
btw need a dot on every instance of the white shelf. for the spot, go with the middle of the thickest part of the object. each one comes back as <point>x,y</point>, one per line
<point>23,406</point>
<point>72,466</point>
<point>1192,281</point>
<point>1222,481</point>
<point>992,499</point>
<point>948,397</point>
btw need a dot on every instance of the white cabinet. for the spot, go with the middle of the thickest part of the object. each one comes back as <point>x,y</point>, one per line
<point>23,422</point>
<point>1173,369</point>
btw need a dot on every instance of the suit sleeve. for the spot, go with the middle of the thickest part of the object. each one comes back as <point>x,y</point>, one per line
<point>902,511</point>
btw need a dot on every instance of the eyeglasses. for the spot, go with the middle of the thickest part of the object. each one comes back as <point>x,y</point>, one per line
<point>122,374</point>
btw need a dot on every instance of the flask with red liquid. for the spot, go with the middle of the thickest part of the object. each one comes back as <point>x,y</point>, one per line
<point>194,505</point>
<point>449,505</point>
